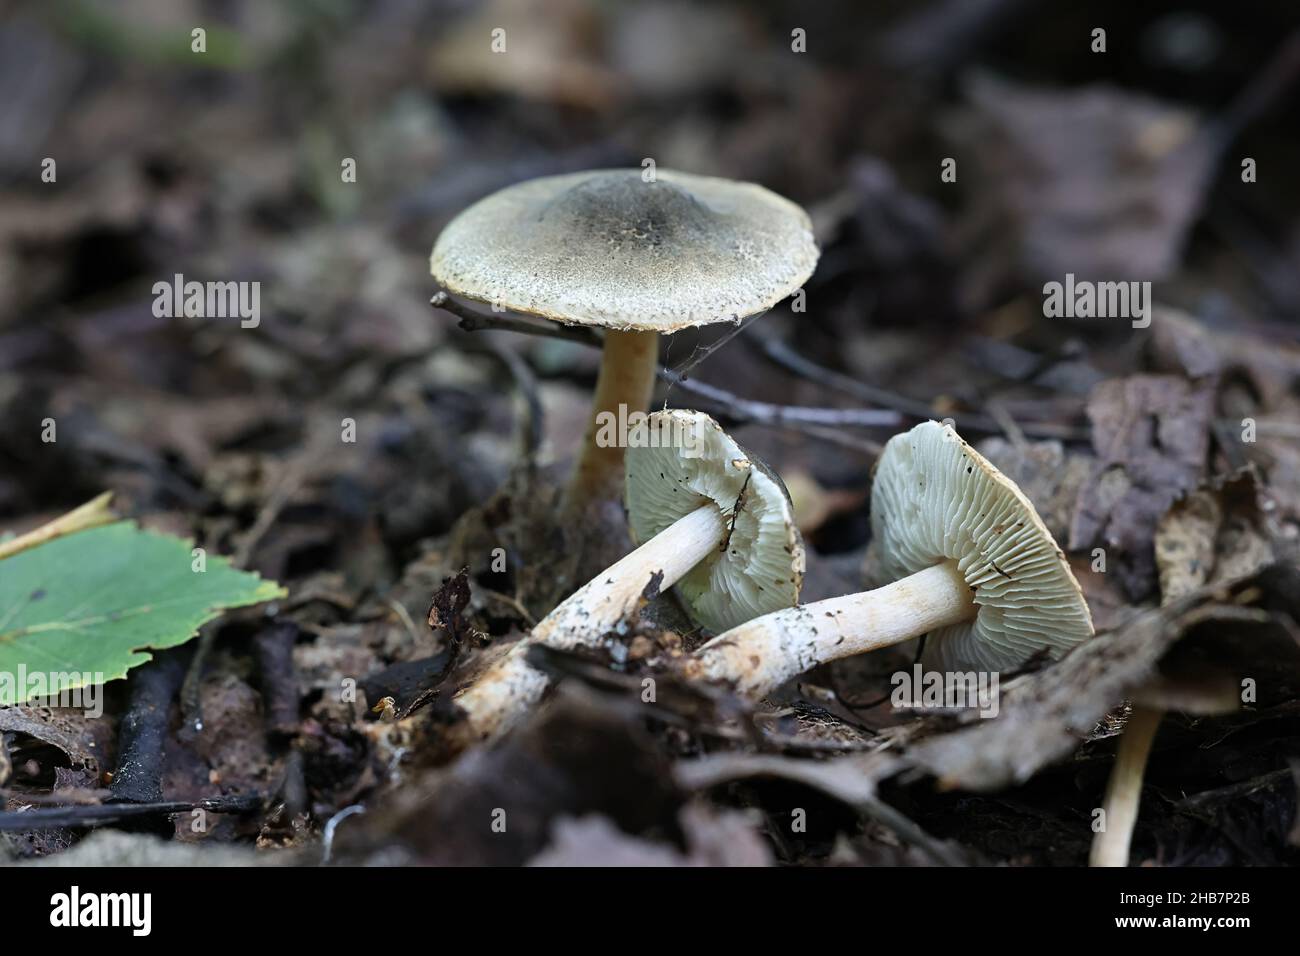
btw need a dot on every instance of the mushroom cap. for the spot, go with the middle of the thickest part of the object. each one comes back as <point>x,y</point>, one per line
<point>690,461</point>
<point>935,498</point>
<point>606,248</point>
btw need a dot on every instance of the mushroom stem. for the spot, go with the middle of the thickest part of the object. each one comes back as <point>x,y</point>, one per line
<point>503,693</point>
<point>1110,847</point>
<point>764,653</point>
<point>627,378</point>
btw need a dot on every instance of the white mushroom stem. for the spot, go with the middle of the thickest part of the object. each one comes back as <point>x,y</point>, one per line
<point>1110,847</point>
<point>627,377</point>
<point>760,655</point>
<point>505,692</point>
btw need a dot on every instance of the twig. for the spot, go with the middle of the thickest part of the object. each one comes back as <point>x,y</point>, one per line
<point>138,777</point>
<point>846,779</point>
<point>474,321</point>
<point>766,413</point>
<point>97,815</point>
<point>292,791</point>
<point>284,489</point>
<point>404,616</point>
<point>791,361</point>
<point>90,515</point>
<point>526,382</point>
<point>1198,801</point>
<point>817,422</point>
<point>511,602</point>
<point>274,648</point>
<point>1015,434</point>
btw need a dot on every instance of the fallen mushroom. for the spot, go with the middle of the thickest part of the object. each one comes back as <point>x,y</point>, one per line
<point>607,248</point>
<point>974,566</point>
<point>709,515</point>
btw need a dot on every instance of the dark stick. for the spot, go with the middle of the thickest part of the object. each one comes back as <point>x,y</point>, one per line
<point>818,422</point>
<point>293,788</point>
<point>138,777</point>
<point>274,648</point>
<point>473,321</point>
<point>781,354</point>
<point>285,487</point>
<point>99,814</point>
<point>766,413</point>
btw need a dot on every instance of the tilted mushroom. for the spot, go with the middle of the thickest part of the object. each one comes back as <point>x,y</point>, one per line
<point>607,248</point>
<point>711,517</point>
<point>974,567</point>
<point>757,566</point>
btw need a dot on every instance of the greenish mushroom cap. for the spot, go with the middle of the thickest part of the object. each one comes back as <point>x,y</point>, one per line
<point>761,567</point>
<point>935,498</point>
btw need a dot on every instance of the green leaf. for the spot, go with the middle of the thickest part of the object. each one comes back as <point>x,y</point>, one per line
<point>88,606</point>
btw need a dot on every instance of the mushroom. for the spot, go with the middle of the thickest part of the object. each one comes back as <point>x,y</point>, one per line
<point>973,566</point>
<point>1205,691</point>
<point>710,516</point>
<point>607,248</point>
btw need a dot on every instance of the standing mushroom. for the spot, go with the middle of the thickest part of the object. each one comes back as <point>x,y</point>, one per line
<point>1110,845</point>
<point>711,517</point>
<point>974,567</point>
<point>607,248</point>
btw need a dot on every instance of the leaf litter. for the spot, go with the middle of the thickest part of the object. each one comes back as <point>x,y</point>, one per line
<point>1125,441</point>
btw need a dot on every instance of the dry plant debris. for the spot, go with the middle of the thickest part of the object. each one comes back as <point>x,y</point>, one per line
<point>406,472</point>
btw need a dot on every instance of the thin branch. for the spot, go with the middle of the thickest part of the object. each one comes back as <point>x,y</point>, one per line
<point>793,362</point>
<point>534,415</point>
<point>96,815</point>
<point>767,413</point>
<point>471,320</point>
<point>92,514</point>
<point>143,732</point>
<point>819,423</point>
<point>286,486</point>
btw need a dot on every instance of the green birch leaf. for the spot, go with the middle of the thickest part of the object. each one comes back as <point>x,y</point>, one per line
<point>89,606</point>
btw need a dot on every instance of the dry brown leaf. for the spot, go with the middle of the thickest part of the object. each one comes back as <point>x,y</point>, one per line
<point>1215,534</point>
<point>1096,181</point>
<point>1152,435</point>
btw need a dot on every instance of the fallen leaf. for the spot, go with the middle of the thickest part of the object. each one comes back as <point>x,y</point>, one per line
<point>1096,181</point>
<point>1151,434</point>
<point>89,606</point>
<point>1249,629</point>
<point>1213,535</point>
